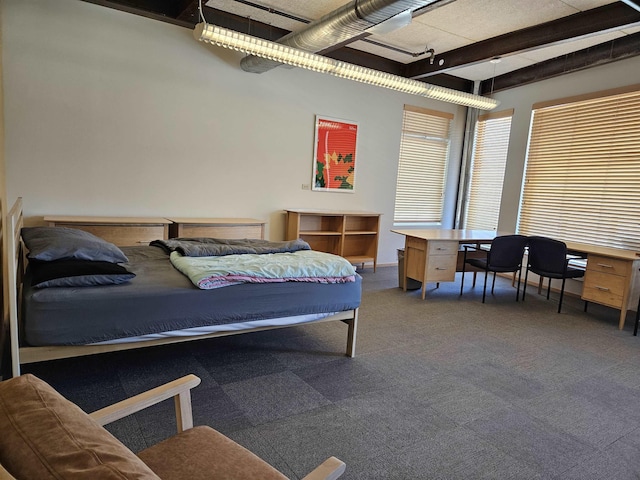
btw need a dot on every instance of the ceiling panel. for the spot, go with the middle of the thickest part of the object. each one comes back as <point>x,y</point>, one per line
<point>415,38</point>
<point>479,20</point>
<point>485,70</point>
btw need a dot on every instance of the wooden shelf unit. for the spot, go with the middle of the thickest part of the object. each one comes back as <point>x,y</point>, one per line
<point>350,234</point>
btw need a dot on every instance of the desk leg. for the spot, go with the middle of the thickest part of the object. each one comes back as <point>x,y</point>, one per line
<point>404,267</point>
<point>623,317</point>
<point>424,269</point>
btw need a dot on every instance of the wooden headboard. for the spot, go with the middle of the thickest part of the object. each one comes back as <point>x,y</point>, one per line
<point>130,231</point>
<point>121,231</point>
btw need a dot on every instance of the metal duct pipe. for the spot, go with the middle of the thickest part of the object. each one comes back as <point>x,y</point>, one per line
<point>339,26</point>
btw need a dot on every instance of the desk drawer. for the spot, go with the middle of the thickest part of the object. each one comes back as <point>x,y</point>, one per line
<point>417,243</point>
<point>603,297</point>
<point>441,268</point>
<point>605,282</point>
<point>443,248</point>
<point>604,288</point>
<point>608,265</point>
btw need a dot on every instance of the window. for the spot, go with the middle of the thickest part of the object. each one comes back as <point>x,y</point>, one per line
<point>487,170</point>
<point>424,150</point>
<point>582,179</point>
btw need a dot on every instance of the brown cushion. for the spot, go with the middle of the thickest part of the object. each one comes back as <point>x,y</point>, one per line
<point>203,453</point>
<point>46,436</point>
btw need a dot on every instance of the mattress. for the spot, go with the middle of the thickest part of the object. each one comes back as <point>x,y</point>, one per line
<point>161,299</point>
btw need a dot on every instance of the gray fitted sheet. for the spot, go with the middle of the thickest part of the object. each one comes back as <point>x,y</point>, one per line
<point>161,299</point>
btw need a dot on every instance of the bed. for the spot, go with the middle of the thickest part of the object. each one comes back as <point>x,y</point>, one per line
<point>160,305</point>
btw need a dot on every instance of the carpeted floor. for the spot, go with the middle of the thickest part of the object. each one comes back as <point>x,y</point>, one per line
<point>445,388</point>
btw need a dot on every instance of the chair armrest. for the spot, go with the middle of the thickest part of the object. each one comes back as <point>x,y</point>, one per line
<point>478,247</point>
<point>4,475</point>
<point>179,389</point>
<point>330,469</point>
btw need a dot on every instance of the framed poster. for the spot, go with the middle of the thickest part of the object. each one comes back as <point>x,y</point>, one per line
<point>334,156</point>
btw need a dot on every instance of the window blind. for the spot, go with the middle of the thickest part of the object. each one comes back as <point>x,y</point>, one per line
<point>424,149</point>
<point>487,170</point>
<point>582,179</point>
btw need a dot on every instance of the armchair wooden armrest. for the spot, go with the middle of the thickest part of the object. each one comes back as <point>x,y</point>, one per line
<point>179,389</point>
<point>4,475</point>
<point>330,469</point>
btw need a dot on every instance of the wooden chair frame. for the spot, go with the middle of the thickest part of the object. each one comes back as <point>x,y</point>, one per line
<point>180,391</point>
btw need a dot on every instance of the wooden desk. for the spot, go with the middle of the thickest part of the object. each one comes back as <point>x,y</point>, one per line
<point>432,255</point>
<point>612,277</point>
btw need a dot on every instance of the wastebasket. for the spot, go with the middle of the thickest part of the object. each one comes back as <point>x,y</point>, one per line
<point>411,283</point>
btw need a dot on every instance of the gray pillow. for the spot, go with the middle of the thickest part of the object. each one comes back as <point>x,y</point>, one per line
<point>61,243</point>
<point>77,273</point>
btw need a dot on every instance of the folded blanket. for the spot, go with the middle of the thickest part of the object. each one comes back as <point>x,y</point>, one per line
<point>208,247</point>
<point>301,266</point>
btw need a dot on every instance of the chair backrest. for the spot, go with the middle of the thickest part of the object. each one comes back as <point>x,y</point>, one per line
<point>507,251</point>
<point>547,255</point>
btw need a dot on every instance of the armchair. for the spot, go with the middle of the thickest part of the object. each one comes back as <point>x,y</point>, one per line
<point>45,436</point>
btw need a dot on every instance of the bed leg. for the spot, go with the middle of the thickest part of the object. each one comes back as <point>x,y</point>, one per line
<point>351,335</point>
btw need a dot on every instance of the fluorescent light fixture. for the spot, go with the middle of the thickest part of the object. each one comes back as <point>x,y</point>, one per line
<point>223,37</point>
<point>400,20</point>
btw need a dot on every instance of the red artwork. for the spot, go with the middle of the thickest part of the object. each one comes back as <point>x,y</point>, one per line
<point>335,155</point>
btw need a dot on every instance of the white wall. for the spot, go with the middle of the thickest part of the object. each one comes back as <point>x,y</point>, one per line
<point>108,113</point>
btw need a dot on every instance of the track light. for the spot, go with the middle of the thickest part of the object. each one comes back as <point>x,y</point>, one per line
<point>223,37</point>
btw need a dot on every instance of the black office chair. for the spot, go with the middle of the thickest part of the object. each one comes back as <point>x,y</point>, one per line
<point>548,259</point>
<point>504,256</point>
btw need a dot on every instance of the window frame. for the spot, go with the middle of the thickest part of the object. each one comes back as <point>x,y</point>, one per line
<point>581,180</point>
<point>412,194</point>
<point>485,173</point>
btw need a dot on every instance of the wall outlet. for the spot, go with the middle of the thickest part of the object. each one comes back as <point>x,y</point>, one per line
<point>306,186</point>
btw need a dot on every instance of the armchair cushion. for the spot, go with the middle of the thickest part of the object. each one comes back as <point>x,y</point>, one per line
<point>45,436</point>
<point>201,453</point>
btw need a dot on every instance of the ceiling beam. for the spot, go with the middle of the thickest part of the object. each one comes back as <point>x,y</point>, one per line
<point>597,20</point>
<point>163,11</point>
<point>614,50</point>
<point>189,11</point>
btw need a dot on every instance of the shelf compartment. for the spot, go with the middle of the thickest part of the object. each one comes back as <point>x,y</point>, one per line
<point>323,243</point>
<point>360,223</point>
<point>319,223</point>
<point>352,235</point>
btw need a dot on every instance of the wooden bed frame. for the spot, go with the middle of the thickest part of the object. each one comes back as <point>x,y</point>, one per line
<point>16,262</point>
